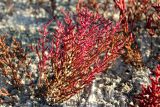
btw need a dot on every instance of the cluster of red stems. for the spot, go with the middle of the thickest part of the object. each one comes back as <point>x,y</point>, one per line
<point>148,14</point>
<point>80,47</point>
<point>78,51</point>
<point>150,95</point>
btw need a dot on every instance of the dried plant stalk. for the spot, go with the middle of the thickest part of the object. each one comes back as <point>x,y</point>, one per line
<point>13,66</point>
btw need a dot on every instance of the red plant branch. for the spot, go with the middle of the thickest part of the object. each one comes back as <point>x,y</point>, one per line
<point>150,95</point>
<point>80,49</point>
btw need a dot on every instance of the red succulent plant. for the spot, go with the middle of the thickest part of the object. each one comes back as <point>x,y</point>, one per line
<point>150,95</point>
<point>81,47</point>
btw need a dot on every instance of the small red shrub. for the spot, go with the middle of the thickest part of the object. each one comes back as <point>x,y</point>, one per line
<point>80,49</point>
<point>69,58</point>
<point>150,95</point>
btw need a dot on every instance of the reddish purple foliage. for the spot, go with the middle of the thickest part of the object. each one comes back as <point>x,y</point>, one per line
<point>150,95</point>
<point>80,49</point>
